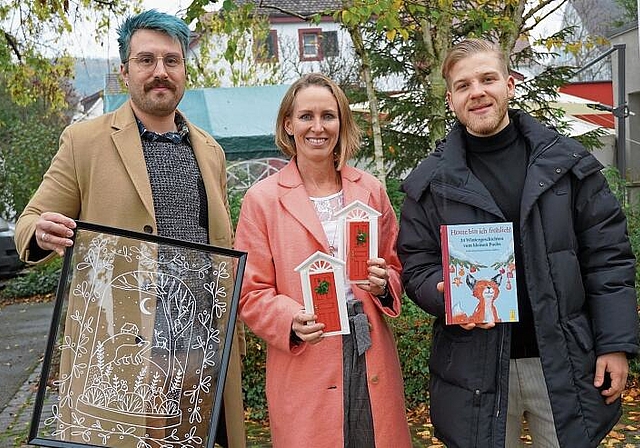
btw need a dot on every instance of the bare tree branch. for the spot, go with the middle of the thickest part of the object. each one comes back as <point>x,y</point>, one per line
<point>13,44</point>
<point>538,8</point>
<point>285,11</point>
<point>108,3</point>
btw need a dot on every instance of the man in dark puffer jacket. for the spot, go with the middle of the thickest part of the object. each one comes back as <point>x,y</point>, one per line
<point>564,365</point>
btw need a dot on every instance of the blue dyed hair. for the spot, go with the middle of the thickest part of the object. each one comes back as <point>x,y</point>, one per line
<point>156,21</point>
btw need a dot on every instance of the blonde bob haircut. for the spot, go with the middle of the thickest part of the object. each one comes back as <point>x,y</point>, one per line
<point>471,47</point>
<point>349,137</point>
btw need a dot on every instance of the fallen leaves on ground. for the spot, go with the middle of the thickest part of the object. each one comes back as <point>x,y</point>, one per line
<point>40,298</point>
<point>625,434</point>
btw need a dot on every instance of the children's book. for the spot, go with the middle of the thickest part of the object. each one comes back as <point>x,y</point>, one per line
<point>480,284</point>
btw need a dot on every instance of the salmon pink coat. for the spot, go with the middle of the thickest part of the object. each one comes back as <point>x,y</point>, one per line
<point>279,229</point>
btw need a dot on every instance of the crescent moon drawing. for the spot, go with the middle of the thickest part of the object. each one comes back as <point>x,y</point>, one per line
<point>143,309</point>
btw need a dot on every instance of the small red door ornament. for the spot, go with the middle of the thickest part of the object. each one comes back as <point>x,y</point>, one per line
<point>325,300</point>
<point>323,291</point>
<point>358,241</point>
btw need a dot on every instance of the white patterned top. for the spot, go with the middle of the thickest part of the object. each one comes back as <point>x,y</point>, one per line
<point>326,208</point>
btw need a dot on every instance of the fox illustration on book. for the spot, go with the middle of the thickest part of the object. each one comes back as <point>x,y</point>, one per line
<point>487,292</point>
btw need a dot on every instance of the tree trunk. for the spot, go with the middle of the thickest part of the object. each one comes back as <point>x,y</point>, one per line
<point>365,70</point>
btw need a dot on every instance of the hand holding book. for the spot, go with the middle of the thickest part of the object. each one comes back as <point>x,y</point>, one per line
<point>471,325</point>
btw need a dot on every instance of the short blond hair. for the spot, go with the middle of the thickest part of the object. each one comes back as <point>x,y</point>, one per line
<point>471,47</point>
<point>350,134</point>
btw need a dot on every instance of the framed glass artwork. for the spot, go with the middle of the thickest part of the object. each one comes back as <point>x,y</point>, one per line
<point>139,342</point>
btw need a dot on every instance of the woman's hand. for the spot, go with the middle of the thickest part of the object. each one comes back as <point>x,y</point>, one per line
<point>306,331</point>
<point>378,277</point>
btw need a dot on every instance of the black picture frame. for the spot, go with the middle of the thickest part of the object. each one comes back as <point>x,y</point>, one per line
<point>139,342</point>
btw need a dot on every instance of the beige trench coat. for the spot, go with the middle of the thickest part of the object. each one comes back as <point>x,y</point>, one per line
<point>99,175</point>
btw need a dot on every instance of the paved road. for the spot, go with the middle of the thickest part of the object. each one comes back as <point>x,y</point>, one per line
<point>24,328</point>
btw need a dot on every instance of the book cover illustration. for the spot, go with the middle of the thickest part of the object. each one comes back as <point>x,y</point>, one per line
<point>323,281</point>
<point>480,284</point>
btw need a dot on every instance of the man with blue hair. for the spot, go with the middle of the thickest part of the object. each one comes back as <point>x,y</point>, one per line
<point>143,168</point>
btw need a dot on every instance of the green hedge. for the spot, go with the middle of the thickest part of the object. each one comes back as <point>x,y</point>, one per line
<point>412,330</point>
<point>39,280</point>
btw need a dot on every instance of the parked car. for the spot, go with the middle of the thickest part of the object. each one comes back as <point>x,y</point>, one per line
<point>10,263</point>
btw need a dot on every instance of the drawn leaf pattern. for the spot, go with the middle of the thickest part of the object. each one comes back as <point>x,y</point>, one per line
<point>123,372</point>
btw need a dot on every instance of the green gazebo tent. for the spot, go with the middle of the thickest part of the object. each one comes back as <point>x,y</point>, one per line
<point>241,119</point>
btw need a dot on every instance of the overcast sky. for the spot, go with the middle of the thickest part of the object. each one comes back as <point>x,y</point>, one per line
<point>82,44</point>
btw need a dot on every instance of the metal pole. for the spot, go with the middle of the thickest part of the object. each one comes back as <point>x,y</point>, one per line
<point>596,60</point>
<point>620,113</point>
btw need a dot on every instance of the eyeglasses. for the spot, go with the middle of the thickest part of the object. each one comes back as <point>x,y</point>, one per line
<point>149,62</point>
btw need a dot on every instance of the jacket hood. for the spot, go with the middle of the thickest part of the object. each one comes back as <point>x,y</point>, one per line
<point>570,155</point>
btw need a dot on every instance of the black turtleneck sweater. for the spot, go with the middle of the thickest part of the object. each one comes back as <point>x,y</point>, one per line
<point>500,162</point>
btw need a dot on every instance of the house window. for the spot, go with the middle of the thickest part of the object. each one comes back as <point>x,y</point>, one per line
<point>330,43</point>
<point>310,49</point>
<point>266,50</point>
<point>316,44</point>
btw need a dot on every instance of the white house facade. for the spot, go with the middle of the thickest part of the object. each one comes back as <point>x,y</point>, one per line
<point>301,46</point>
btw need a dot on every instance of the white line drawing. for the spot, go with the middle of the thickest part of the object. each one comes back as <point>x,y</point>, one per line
<point>141,346</point>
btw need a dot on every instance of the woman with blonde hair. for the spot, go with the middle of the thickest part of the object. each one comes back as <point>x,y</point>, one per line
<point>336,391</point>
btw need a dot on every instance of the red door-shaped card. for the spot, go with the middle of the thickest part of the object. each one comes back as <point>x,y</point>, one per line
<point>358,239</point>
<point>358,250</point>
<point>323,292</point>
<point>325,300</point>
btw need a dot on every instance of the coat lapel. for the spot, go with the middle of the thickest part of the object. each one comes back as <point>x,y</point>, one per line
<point>126,139</point>
<point>295,200</point>
<point>353,190</point>
<point>203,151</point>
<point>206,152</point>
